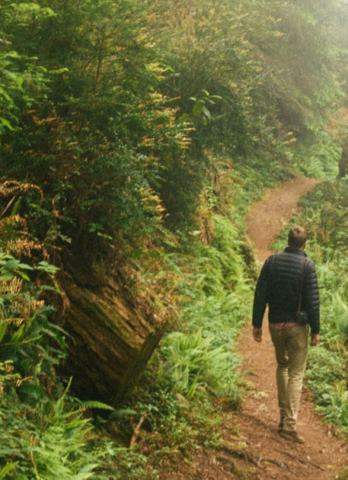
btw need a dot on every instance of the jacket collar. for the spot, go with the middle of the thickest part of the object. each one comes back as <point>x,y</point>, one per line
<point>296,251</point>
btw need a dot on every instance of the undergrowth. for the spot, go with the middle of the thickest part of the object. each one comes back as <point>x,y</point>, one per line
<point>318,159</point>
<point>207,278</point>
<point>194,372</point>
<point>48,435</point>
<point>176,409</point>
<point>193,376</point>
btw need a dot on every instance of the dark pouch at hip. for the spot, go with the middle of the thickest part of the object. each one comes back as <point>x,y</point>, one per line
<point>302,318</point>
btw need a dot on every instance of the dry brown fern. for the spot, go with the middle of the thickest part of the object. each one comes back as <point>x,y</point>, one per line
<point>12,187</point>
<point>22,245</point>
<point>14,285</point>
<point>11,221</point>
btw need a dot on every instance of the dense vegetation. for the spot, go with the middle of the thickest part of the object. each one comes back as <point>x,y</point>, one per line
<point>140,132</point>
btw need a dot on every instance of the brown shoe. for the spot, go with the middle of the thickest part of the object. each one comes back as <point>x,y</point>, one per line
<point>292,435</point>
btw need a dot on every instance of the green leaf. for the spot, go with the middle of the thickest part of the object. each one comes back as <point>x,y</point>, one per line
<point>96,404</point>
<point>24,266</point>
<point>6,95</point>
<point>123,412</point>
<point>18,335</point>
<point>197,108</point>
<point>32,392</point>
<point>18,79</point>
<point>206,112</point>
<point>47,267</point>
<point>24,276</point>
<point>6,123</point>
<point>3,329</point>
<point>4,471</point>
<point>10,265</point>
<point>6,276</point>
<point>184,118</point>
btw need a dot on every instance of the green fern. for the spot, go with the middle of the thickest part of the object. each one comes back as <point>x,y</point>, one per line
<point>7,469</point>
<point>97,405</point>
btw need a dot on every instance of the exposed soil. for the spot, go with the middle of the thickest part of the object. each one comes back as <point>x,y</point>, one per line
<point>258,452</point>
<point>268,216</point>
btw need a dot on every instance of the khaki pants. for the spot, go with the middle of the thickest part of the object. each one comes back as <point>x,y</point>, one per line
<point>291,346</point>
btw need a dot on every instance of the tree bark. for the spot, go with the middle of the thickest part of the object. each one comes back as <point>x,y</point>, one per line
<point>111,339</point>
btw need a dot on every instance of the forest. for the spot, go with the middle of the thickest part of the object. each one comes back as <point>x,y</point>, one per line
<point>134,137</point>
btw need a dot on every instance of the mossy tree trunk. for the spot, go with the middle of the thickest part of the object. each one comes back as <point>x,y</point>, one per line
<point>111,339</point>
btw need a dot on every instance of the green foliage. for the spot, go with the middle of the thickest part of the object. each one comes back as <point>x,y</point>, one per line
<point>22,80</point>
<point>24,321</point>
<point>112,115</point>
<point>206,48</point>
<point>327,377</point>
<point>47,433</point>
<point>197,363</point>
<point>173,427</point>
<point>320,158</point>
<point>4,471</point>
<point>175,408</point>
<point>191,361</point>
<point>103,135</point>
<point>112,108</point>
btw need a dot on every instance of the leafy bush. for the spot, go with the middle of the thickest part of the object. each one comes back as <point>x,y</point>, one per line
<point>327,376</point>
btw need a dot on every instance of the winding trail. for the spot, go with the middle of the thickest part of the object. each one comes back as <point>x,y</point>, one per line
<point>271,214</point>
<point>323,455</point>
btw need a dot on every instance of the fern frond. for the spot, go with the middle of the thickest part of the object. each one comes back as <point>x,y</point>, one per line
<point>22,245</point>
<point>96,404</point>
<point>12,187</point>
<point>7,468</point>
<point>13,220</point>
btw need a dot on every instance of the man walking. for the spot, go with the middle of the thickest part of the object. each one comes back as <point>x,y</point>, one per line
<point>288,284</point>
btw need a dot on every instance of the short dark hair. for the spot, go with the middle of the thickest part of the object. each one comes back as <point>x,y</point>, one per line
<point>297,237</point>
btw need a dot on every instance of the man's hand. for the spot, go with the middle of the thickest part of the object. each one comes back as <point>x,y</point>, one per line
<point>257,334</point>
<point>315,339</point>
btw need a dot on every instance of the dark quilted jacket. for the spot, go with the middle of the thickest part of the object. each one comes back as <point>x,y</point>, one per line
<point>279,286</point>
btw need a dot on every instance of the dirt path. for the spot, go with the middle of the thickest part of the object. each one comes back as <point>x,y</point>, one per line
<point>268,216</point>
<point>323,455</point>
<point>258,452</point>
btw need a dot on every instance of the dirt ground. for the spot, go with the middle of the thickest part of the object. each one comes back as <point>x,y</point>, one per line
<point>258,452</point>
